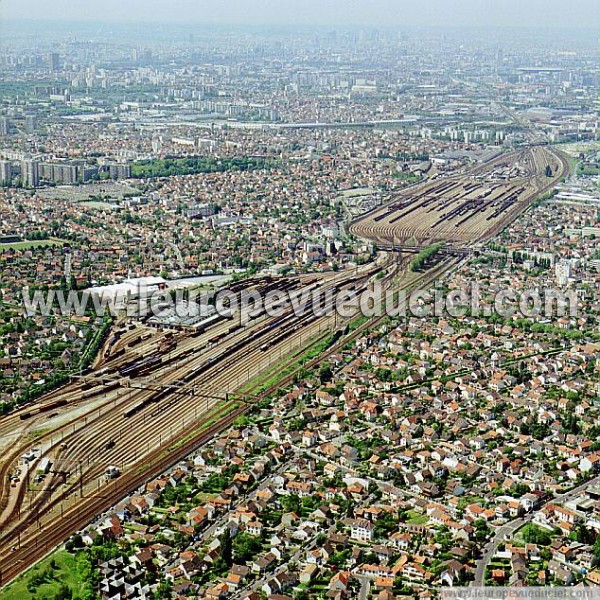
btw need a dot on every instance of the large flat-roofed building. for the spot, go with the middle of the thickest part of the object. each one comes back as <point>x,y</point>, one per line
<point>119,171</point>
<point>119,294</point>
<point>64,173</point>
<point>67,172</point>
<point>30,173</point>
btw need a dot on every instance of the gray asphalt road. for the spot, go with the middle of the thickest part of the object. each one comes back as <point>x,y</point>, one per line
<point>510,528</point>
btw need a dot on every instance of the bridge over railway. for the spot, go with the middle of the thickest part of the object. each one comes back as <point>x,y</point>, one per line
<point>447,251</point>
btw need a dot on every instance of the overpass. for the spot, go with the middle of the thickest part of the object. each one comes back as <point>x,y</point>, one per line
<point>447,250</point>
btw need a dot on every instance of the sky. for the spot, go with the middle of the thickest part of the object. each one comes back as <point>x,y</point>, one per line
<point>542,13</point>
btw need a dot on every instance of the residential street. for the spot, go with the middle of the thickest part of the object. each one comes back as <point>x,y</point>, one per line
<point>510,529</point>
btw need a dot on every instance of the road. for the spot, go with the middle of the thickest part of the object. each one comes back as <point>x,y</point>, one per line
<point>365,588</point>
<point>509,529</point>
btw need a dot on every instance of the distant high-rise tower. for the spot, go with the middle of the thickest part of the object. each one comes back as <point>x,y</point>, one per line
<point>30,173</point>
<point>157,144</point>
<point>4,126</point>
<point>54,61</point>
<point>30,123</point>
<point>5,172</point>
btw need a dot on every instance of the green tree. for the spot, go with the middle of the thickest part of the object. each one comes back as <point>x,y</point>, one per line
<point>245,546</point>
<point>482,529</point>
<point>534,534</point>
<point>226,547</point>
<point>163,591</point>
<point>597,548</point>
<point>325,373</point>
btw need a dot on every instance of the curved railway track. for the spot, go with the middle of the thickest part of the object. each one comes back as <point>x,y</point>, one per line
<point>45,539</point>
<point>464,209</point>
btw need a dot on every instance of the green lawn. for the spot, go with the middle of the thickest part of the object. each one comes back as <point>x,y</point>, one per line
<point>202,497</point>
<point>28,244</point>
<point>46,578</point>
<point>97,205</point>
<point>416,518</point>
<point>409,177</point>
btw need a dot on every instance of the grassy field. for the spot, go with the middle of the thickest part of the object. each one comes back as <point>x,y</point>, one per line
<point>202,497</point>
<point>416,518</point>
<point>99,205</point>
<point>28,244</point>
<point>576,147</point>
<point>49,579</point>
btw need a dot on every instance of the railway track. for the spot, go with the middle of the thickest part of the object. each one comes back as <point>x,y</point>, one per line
<point>464,209</point>
<point>114,438</point>
<point>129,451</point>
<point>77,516</point>
<point>73,458</point>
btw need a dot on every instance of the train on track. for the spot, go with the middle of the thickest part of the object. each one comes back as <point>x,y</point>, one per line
<point>44,408</point>
<point>139,367</point>
<point>47,408</point>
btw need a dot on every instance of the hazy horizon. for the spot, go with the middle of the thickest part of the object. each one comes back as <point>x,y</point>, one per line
<point>331,13</point>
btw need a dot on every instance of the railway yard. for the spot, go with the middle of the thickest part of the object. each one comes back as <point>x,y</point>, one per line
<point>153,396</point>
<point>156,394</point>
<point>464,209</point>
